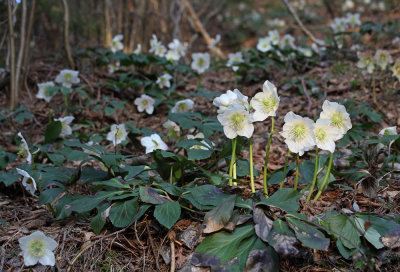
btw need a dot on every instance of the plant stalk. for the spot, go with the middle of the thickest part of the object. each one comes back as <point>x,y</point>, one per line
<point>325,178</point>
<point>296,181</point>
<point>265,180</point>
<point>284,169</point>
<point>253,189</point>
<point>234,141</point>
<point>314,177</point>
<point>373,87</point>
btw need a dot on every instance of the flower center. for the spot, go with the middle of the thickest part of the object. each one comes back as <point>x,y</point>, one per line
<point>397,69</point>
<point>182,107</point>
<point>46,91</point>
<point>237,121</point>
<point>115,43</point>
<point>145,102</point>
<point>155,143</point>
<point>119,134</point>
<point>387,132</point>
<point>64,126</point>
<point>67,77</point>
<point>298,132</point>
<point>269,103</point>
<point>383,57</point>
<point>37,247</point>
<point>337,119</point>
<point>320,135</point>
<point>200,62</point>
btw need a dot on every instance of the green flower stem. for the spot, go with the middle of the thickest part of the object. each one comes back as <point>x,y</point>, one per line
<point>314,177</point>
<point>284,169</point>
<point>199,82</point>
<point>296,180</point>
<point>234,141</point>
<point>235,79</point>
<point>325,178</point>
<point>393,161</point>
<point>66,101</point>
<point>253,189</point>
<point>265,181</point>
<point>373,87</point>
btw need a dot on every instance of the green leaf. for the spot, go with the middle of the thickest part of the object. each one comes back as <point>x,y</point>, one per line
<point>308,235</point>
<point>343,229</point>
<point>47,196</point>
<point>52,132</point>
<point>76,155</point>
<point>109,110</point>
<point>371,234</point>
<point>199,154</point>
<point>205,197</point>
<point>122,214</point>
<point>97,222</point>
<point>8,178</point>
<point>149,195</point>
<point>57,159</point>
<point>285,198</point>
<point>282,239</point>
<point>114,182</point>
<point>168,213</point>
<point>217,218</point>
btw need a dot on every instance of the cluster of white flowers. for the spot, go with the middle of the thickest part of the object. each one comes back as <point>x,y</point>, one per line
<point>381,59</point>
<point>341,24</point>
<point>234,58</point>
<point>175,51</point>
<point>116,43</point>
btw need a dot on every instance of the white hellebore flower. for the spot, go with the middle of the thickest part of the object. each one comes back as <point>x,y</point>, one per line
<point>265,103</point>
<point>116,43</point>
<point>388,131</point>
<point>26,148</point>
<point>215,41</point>
<point>200,62</point>
<point>138,49</point>
<point>396,69</point>
<point>164,81</point>
<point>365,62</point>
<point>112,67</point>
<point>353,19</point>
<point>178,47</point>
<point>225,100</point>
<point>44,91</point>
<point>234,58</point>
<point>153,142</point>
<point>274,37</point>
<point>264,44</point>
<point>156,47</point>
<point>173,130</point>
<point>298,133</point>
<point>200,135</point>
<point>117,134</point>
<point>68,77</point>
<point>339,25</point>
<point>236,120</point>
<point>287,41</point>
<point>172,55</point>
<point>325,135</point>
<point>338,116</point>
<point>383,58</point>
<point>27,181</point>
<point>145,103</point>
<point>183,106</point>
<point>37,247</point>
<point>65,125</point>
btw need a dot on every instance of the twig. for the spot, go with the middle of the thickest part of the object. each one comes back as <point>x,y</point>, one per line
<point>21,48</point>
<point>3,256</point>
<point>13,91</point>
<point>152,245</point>
<point>307,95</point>
<point>141,244</point>
<point>172,237</point>
<point>66,35</point>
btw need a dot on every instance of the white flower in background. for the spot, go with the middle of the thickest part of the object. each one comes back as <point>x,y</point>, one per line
<point>338,116</point>
<point>117,134</point>
<point>378,6</point>
<point>112,67</point>
<point>287,41</point>
<point>183,106</point>
<point>339,25</point>
<point>200,135</point>
<point>172,55</point>
<point>215,41</point>
<point>307,52</point>
<point>173,130</point>
<point>298,133</point>
<point>236,120</point>
<point>325,135</point>
<point>274,36</point>
<point>68,77</point>
<point>389,131</point>
<point>153,142</point>
<point>138,49</point>
<point>396,41</point>
<point>27,181</point>
<point>156,47</point>
<point>200,62</point>
<point>178,47</point>
<point>65,125</point>
<point>265,103</point>
<point>37,247</point>
<point>44,91</point>
<point>348,4</point>
<point>145,103</point>
<point>276,22</point>
<point>164,81</point>
<point>396,69</point>
<point>234,58</point>
<point>231,97</point>
<point>365,62</point>
<point>264,44</point>
<point>353,19</point>
<point>26,148</point>
<point>383,58</point>
<point>116,43</point>
<point>355,47</point>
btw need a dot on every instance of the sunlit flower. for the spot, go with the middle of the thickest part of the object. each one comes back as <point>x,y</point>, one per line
<point>153,142</point>
<point>177,47</point>
<point>325,135</point>
<point>65,125</point>
<point>118,134</point>
<point>26,148</point>
<point>298,133</point>
<point>173,130</point>
<point>200,62</point>
<point>383,58</point>
<point>365,62</point>
<point>396,69</point>
<point>200,135</point>
<point>274,36</point>
<point>339,25</point>
<point>183,106</point>
<point>44,91</point>
<point>37,247</point>
<point>338,116</point>
<point>112,67</point>
<point>264,44</point>
<point>234,58</point>
<point>27,181</point>
<point>215,41</point>
<point>265,103</point>
<point>68,77</point>
<point>172,55</point>
<point>287,41</point>
<point>156,47</point>
<point>231,97</point>
<point>353,19</point>
<point>164,81</point>
<point>116,43</point>
<point>145,103</point>
<point>236,120</point>
<point>389,131</point>
<point>138,49</point>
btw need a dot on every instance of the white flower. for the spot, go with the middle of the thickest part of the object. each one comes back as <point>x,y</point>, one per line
<point>396,41</point>
<point>383,58</point>
<point>298,133</point>
<point>177,47</point>
<point>65,125</point>
<point>353,19</point>
<point>365,62</point>
<point>265,103</point>
<point>264,44</point>
<point>68,77</point>
<point>153,142</point>
<point>200,135</point>
<point>234,58</point>
<point>26,148</point>
<point>145,103</point>
<point>44,91</point>
<point>37,247</point>
<point>117,134</point>
<point>276,22</point>
<point>274,36</point>
<point>225,100</point>
<point>307,52</point>
<point>338,116</point>
<point>172,55</point>
<point>215,41</point>
<point>183,106</point>
<point>396,69</point>
<point>138,49</point>
<point>325,135</point>
<point>173,130</point>
<point>348,4</point>
<point>27,181</point>
<point>236,120</point>
<point>156,47</point>
<point>112,67</point>
<point>287,41</point>
<point>388,131</point>
<point>200,62</point>
<point>339,25</point>
<point>116,43</point>
<point>164,81</point>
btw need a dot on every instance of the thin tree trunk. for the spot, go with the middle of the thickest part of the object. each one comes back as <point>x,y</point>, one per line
<point>66,35</point>
<point>28,39</point>
<point>107,19</point>
<point>13,91</point>
<point>21,48</point>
